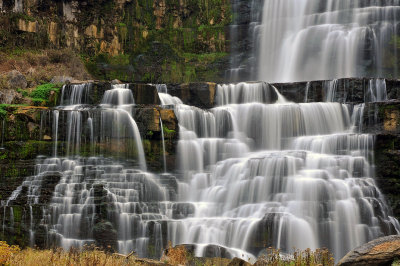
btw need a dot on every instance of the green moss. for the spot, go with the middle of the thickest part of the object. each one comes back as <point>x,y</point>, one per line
<point>17,213</point>
<point>3,112</point>
<point>43,91</point>
<point>150,133</point>
<point>25,17</point>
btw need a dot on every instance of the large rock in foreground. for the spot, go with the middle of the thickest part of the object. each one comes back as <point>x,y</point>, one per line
<point>381,251</point>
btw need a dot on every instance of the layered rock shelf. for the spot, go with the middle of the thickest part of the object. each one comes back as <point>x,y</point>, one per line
<point>27,134</point>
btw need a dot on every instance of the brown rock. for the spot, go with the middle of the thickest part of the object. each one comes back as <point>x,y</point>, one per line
<point>381,251</point>
<point>239,262</point>
<point>169,119</point>
<point>31,127</point>
<point>28,26</point>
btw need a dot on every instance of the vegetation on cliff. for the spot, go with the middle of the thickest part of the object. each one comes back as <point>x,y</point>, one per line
<point>148,41</point>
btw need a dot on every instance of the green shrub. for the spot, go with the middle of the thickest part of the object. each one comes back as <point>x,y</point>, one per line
<point>43,91</point>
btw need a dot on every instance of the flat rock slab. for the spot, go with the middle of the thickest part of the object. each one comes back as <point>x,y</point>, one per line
<point>381,251</point>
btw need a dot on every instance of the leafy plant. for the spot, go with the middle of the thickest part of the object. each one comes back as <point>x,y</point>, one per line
<point>43,91</point>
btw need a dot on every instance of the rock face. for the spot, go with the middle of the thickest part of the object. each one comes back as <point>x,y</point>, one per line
<point>164,42</point>
<point>105,235</point>
<point>201,95</point>
<point>9,96</point>
<point>346,90</point>
<point>381,251</point>
<point>16,80</point>
<point>383,120</point>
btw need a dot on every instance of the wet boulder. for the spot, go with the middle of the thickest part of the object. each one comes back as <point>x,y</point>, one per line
<point>182,210</point>
<point>50,180</point>
<point>265,233</point>
<point>105,235</point>
<point>381,251</point>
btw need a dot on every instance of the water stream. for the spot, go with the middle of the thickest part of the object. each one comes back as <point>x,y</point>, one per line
<point>319,40</point>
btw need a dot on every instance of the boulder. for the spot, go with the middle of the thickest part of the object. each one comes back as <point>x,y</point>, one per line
<point>238,262</point>
<point>381,251</point>
<point>16,80</point>
<point>61,79</point>
<point>105,235</point>
<point>10,97</point>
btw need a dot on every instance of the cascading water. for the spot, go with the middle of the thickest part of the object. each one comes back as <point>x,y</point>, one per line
<point>256,170</point>
<point>320,40</point>
<point>92,189</point>
<point>260,169</point>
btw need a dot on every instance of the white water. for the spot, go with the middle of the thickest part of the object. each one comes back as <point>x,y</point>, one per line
<point>163,146</point>
<point>72,215</point>
<point>255,170</point>
<point>296,171</point>
<point>318,40</point>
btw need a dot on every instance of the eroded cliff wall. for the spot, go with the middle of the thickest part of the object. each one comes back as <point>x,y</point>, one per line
<point>131,40</point>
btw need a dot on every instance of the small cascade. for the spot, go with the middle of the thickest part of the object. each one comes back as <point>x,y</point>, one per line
<point>376,91</point>
<point>331,88</point>
<point>55,130</point>
<point>75,94</point>
<point>306,93</point>
<point>245,93</point>
<point>119,95</point>
<point>163,146</point>
<point>165,98</point>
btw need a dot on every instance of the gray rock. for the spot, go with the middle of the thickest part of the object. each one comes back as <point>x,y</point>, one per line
<point>381,251</point>
<point>16,80</point>
<point>9,96</point>
<point>61,79</point>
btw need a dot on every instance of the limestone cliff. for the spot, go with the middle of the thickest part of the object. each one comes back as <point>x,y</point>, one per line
<point>132,40</point>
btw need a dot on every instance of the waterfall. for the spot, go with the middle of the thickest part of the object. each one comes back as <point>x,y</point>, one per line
<point>75,94</point>
<point>320,40</point>
<point>256,170</point>
<point>81,183</point>
<point>259,169</point>
<point>163,146</point>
